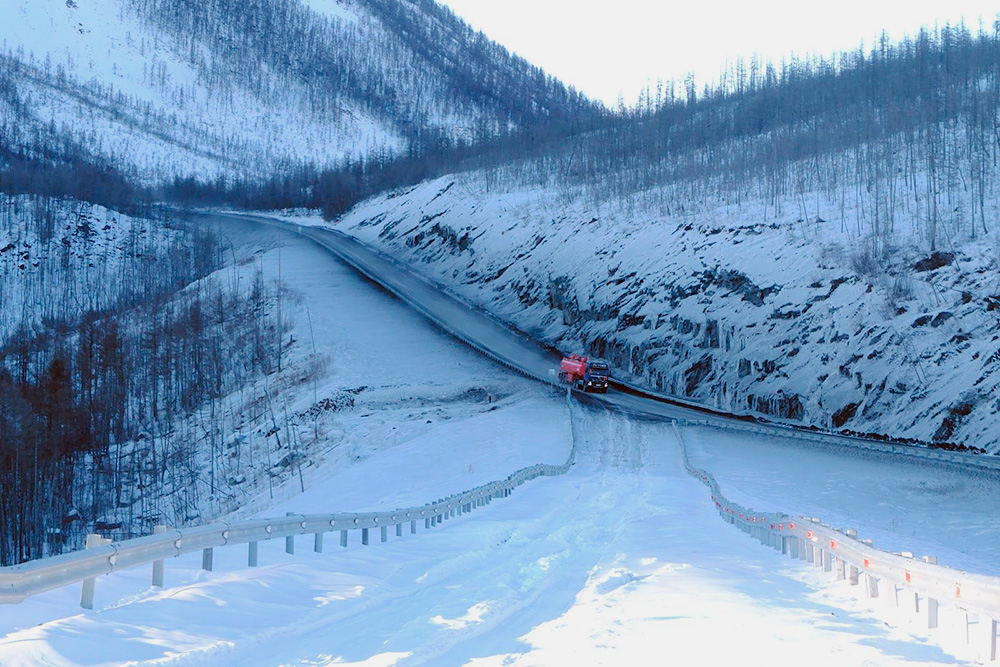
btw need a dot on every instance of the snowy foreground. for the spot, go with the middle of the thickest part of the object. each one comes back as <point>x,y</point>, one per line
<point>621,561</point>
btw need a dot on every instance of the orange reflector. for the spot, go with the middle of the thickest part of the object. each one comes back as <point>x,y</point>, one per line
<point>867,563</point>
<point>833,544</point>
<point>958,591</point>
<point>907,577</point>
<point>781,526</point>
<point>809,534</point>
<point>791,526</point>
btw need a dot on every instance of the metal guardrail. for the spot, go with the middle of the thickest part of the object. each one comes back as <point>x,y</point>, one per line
<point>710,417</point>
<point>850,558</point>
<point>104,557</point>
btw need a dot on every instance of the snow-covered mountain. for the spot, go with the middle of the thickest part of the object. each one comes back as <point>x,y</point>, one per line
<point>249,88</point>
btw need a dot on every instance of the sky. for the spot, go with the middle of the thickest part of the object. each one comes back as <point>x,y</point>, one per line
<point>607,49</point>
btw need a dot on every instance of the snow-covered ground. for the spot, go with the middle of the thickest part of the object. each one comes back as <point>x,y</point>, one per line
<point>622,561</point>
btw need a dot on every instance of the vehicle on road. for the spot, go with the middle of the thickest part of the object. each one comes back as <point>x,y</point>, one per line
<point>584,373</point>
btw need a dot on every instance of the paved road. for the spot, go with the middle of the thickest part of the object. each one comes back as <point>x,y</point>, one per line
<point>480,330</point>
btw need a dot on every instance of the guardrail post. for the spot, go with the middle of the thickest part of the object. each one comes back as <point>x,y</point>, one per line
<point>413,527</point>
<point>427,523</point>
<point>827,561</point>
<point>206,559</point>
<point>290,539</point>
<point>87,594</point>
<point>318,543</point>
<point>385,533</point>
<point>364,536</point>
<point>853,575</point>
<point>399,530</point>
<point>932,613</point>
<point>872,585</point>
<point>158,565</point>
<point>343,538</point>
<point>991,644</point>
<point>252,554</point>
<point>841,568</point>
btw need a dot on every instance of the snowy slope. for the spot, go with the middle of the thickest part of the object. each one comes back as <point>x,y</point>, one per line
<point>170,88</point>
<point>96,71</point>
<point>60,259</point>
<point>728,303</point>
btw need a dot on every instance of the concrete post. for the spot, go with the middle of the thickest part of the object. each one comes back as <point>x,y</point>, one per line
<point>87,594</point>
<point>252,554</point>
<point>364,536</point>
<point>385,533</point>
<point>290,540</point>
<point>343,538</point>
<point>206,559</point>
<point>158,565</point>
<point>318,543</point>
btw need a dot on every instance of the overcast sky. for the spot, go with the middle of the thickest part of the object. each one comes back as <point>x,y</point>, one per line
<point>617,47</point>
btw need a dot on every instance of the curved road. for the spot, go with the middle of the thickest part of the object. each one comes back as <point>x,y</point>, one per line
<point>480,330</point>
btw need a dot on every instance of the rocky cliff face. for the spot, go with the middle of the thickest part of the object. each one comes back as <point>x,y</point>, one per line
<point>733,306</point>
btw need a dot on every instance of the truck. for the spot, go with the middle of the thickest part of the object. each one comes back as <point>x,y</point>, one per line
<point>584,373</point>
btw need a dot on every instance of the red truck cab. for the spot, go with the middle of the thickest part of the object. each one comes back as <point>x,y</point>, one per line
<point>584,373</point>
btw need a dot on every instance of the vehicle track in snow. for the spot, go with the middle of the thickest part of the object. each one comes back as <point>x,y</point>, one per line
<point>574,569</point>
